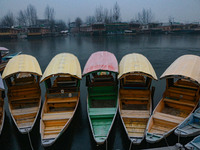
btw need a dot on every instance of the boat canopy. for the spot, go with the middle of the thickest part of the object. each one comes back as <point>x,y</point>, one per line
<point>186,66</point>
<point>22,64</point>
<point>136,63</point>
<point>101,61</point>
<point>3,49</point>
<point>63,64</point>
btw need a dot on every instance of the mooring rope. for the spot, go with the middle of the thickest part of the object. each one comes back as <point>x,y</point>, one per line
<point>130,145</point>
<point>106,145</point>
<point>166,141</point>
<point>30,140</point>
<point>179,136</point>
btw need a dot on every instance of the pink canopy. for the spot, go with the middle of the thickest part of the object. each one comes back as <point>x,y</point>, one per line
<point>101,60</point>
<point>3,49</point>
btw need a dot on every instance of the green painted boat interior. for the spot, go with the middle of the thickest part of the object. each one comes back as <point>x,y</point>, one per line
<point>102,107</point>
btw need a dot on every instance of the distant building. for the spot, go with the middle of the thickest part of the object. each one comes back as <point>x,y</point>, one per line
<point>38,32</point>
<point>116,28</point>
<point>98,29</point>
<point>9,33</point>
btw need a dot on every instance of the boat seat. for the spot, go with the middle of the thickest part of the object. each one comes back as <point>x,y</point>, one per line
<point>182,91</point>
<point>128,97</point>
<point>180,101</point>
<point>135,113</point>
<point>24,111</point>
<point>62,100</point>
<point>101,112</point>
<point>168,118</point>
<point>57,116</point>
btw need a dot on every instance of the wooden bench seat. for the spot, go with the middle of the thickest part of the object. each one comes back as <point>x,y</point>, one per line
<point>62,100</point>
<point>168,118</point>
<point>101,111</point>
<point>25,97</point>
<point>57,116</point>
<point>181,102</point>
<point>182,91</point>
<point>128,97</point>
<point>135,113</point>
<point>24,111</point>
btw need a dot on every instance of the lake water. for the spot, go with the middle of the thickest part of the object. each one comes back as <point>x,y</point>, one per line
<point>161,50</point>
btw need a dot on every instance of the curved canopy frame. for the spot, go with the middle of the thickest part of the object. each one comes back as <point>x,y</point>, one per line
<point>186,66</point>
<point>63,64</point>
<point>22,64</point>
<point>101,61</point>
<point>136,64</point>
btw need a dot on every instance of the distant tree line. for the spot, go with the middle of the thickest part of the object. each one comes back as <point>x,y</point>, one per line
<point>28,17</point>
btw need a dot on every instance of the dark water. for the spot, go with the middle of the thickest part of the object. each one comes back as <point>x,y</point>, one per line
<point>161,50</point>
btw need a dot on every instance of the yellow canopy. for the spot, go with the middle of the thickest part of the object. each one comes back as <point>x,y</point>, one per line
<point>22,64</point>
<point>64,63</point>
<point>136,63</point>
<point>187,66</point>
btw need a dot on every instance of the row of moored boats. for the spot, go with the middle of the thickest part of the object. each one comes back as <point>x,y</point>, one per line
<point>133,98</point>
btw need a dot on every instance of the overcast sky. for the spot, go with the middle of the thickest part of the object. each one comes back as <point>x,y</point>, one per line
<point>180,10</point>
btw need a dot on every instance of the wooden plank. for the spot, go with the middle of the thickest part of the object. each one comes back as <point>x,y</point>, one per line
<point>136,125</point>
<point>169,118</point>
<point>62,100</point>
<point>180,102</point>
<point>51,123</point>
<point>50,136</point>
<point>57,116</point>
<point>135,113</point>
<point>53,128</point>
<point>51,132</point>
<point>182,91</point>
<point>136,134</point>
<point>24,111</point>
<point>135,130</point>
<point>25,124</point>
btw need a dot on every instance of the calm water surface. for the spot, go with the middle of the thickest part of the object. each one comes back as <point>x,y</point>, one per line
<point>161,50</point>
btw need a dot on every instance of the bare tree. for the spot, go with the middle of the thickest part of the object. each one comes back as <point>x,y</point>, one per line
<point>61,25</point>
<point>110,16</point>
<point>145,17</point>
<point>99,15</point>
<point>106,15</point>
<point>31,15</point>
<point>21,18</point>
<point>78,22</point>
<point>49,13</point>
<point>8,20</point>
<point>116,12</point>
<point>90,20</point>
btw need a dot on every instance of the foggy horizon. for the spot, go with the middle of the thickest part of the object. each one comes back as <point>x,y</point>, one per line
<point>181,10</point>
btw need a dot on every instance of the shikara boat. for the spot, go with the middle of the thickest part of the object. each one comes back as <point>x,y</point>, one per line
<point>4,57</point>
<point>191,125</point>
<point>135,94</point>
<point>194,144</point>
<point>179,100</point>
<point>101,72</point>
<point>62,79</point>
<point>2,111</point>
<point>22,75</point>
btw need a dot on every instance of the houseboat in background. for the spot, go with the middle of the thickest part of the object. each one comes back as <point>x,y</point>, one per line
<point>38,32</point>
<point>8,33</point>
<point>116,28</point>
<point>98,29</point>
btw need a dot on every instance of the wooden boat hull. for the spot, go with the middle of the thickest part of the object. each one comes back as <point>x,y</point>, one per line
<point>25,129</point>
<point>160,124</point>
<point>46,142</point>
<point>190,127</point>
<point>101,125</point>
<point>135,117</point>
